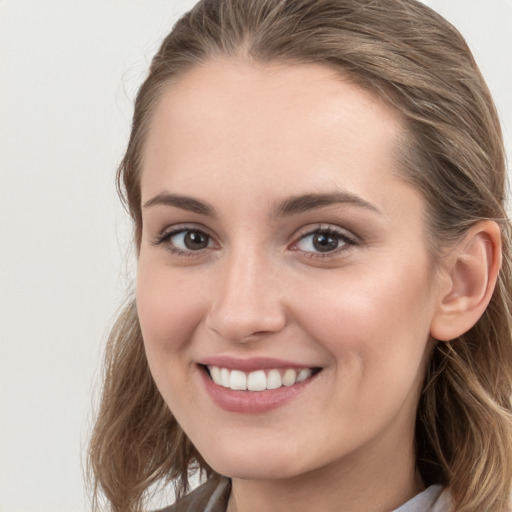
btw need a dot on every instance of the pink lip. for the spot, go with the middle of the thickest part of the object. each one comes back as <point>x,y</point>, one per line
<point>252,402</point>
<point>251,364</point>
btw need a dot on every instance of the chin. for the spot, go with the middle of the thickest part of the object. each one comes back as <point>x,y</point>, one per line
<point>254,470</point>
<point>253,463</point>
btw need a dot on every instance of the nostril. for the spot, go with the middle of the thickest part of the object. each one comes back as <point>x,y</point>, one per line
<point>258,334</point>
<point>244,330</point>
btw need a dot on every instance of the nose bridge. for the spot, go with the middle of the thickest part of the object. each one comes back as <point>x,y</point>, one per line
<point>248,300</point>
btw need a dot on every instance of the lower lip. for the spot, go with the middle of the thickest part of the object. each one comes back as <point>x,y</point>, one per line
<point>252,402</point>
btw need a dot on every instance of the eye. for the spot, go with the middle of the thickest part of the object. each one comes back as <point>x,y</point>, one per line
<point>323,241</point>
<point>190,240</point>
<point>186,240</point>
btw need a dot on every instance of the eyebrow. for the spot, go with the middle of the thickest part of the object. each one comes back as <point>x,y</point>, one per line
<point>302,203</point>
<point>183,202</point>
<point>291,206</point>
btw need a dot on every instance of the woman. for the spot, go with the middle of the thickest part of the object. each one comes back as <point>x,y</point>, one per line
<point>322,313</point>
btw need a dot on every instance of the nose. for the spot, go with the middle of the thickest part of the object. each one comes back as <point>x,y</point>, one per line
<point>248,300</point>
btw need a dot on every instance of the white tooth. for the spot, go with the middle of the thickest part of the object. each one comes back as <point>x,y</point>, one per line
<point>238,380</point>
<point>304,374</point>
<point>224,377</point>
<point>274,379</point>
<point>215,374</point>
<point>257,381</point>
<point>289,377</point>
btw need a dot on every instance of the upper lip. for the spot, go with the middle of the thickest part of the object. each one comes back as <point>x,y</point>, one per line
<point>251,364</point>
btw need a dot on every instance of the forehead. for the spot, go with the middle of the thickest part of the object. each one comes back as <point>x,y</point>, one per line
<point>265,126</point>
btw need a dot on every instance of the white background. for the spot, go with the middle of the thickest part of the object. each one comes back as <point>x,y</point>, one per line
<point>68,73</point>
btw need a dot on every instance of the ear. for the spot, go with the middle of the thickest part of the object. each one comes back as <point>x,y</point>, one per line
<point>469,272</point>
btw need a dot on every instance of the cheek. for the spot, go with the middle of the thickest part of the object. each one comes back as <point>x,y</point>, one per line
<point>375,329</point>
<point>169,314</point>
<point>373,320</point>
<point>169,310</point>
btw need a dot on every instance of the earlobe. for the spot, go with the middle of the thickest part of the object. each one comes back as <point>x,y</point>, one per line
<point>471,271</point>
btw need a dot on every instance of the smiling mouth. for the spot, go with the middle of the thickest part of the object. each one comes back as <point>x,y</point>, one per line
<point>259,380</point>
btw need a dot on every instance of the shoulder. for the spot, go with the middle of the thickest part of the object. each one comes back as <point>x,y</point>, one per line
<point>212,496</point>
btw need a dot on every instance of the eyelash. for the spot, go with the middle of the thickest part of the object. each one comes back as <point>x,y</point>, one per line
<point>342,237</point>
<point>166,237</point>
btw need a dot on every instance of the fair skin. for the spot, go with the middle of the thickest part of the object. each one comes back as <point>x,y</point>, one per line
<point>236,272</point>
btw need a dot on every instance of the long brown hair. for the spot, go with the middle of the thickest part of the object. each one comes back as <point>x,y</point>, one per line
<point>452,152</point>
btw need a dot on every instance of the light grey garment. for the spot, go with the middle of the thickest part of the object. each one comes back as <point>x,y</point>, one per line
<point>431,499</point>
<point>213,496</point>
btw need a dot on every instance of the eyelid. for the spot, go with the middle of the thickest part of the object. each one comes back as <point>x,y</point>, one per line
<point>165,235</point>
<point>348,237</point>
<point>177,228</point>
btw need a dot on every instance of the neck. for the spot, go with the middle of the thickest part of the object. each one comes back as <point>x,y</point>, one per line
<point>375,484</point>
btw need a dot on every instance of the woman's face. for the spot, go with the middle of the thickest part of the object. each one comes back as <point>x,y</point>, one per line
<point>282,251</point>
